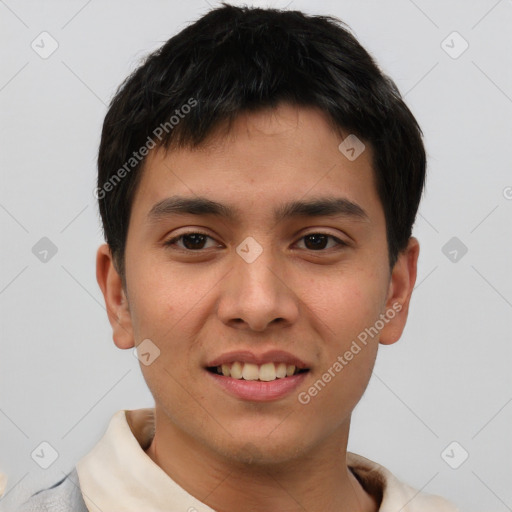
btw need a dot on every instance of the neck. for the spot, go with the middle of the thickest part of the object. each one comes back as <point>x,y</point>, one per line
<point>319,480</point>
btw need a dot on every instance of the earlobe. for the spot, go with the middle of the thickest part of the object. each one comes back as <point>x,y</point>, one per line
<point>116,302</point>
<point>401,285</point>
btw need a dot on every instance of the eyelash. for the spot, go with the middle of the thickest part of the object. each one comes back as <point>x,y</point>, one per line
<point>172,241</point>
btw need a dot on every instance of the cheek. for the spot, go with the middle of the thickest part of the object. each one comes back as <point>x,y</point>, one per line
<point>348,304</point>
<point>159,298</point>
<point>169,307</point>
<point>351,309</point>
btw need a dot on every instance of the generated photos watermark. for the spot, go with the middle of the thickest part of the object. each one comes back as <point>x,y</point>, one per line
<point>143,151</point>
<point>304,397</point>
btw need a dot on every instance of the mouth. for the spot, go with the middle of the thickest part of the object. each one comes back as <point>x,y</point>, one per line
<point>254,377</point>
<point>266,372</point>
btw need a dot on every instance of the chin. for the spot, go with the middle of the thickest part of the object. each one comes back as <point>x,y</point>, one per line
<point>264,451</point>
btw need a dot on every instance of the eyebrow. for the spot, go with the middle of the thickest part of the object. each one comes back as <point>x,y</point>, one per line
<point>317,207</point>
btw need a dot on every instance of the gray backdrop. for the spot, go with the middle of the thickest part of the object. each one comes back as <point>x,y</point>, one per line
<point>438,408</point>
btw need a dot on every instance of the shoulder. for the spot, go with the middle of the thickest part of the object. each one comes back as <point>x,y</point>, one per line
<point>63,496</point>
<point>391,493</point>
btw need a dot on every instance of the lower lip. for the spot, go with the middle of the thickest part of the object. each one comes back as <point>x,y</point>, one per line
<point>259,391</point>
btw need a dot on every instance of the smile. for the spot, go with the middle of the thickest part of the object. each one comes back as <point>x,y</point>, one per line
<point>249,371</point>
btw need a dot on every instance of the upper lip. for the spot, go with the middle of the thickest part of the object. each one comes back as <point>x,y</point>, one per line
<point>247,356</point>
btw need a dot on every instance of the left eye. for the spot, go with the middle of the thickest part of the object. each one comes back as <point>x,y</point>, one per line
<point>319,241</point>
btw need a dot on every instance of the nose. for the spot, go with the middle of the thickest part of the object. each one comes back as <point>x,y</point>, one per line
<point>256,296</point>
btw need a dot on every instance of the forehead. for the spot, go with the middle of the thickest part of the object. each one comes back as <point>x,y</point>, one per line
<point>261,159</point>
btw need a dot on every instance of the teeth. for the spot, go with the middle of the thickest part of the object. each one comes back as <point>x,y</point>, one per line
<point>236,370</point>
<point>266,372</point>
<point>250,372</point>
<point>281,371</point>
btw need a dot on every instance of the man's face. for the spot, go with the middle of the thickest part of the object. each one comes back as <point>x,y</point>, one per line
<point>263,279</point>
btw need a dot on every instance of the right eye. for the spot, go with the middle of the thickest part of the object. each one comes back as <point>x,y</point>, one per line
<point>191,241</point>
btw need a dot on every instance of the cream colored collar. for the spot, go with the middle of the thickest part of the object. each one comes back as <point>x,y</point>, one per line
<point>118,475</point>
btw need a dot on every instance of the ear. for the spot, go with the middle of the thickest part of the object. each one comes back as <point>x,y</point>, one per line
<point>401,285</point>
<point>116,300</point>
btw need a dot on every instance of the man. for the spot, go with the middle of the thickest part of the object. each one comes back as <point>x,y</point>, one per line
<point>258,179</point>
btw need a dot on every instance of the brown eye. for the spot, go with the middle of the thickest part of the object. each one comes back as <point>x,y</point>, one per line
<point>194,241</point>
<point>191,241</point>
<point>320,241</point>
